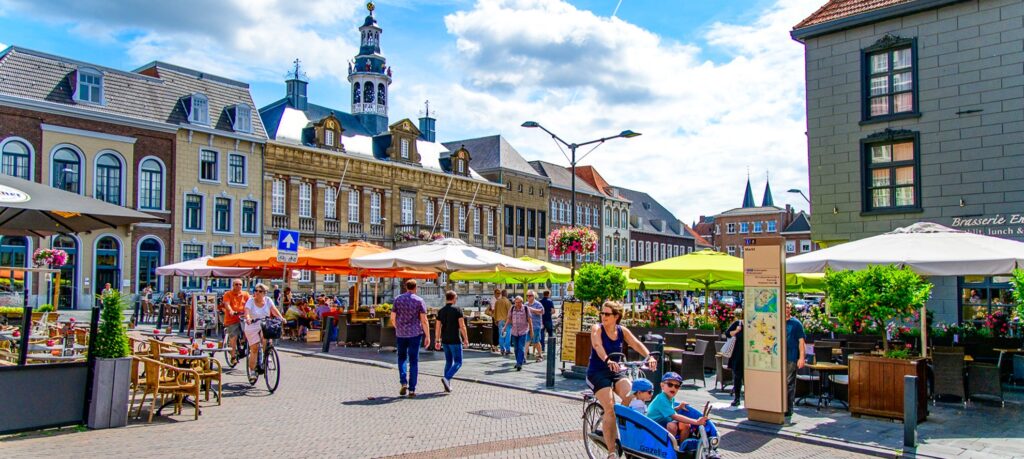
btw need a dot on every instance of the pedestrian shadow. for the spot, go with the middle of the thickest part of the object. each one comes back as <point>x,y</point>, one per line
<point>736,442</point>
<point>372,401</point>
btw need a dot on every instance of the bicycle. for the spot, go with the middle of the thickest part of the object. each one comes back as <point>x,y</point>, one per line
<point>593,412</point>
<point>267,363</point>
<point>241,349</point>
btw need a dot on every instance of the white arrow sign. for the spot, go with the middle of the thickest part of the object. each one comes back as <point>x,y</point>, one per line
<point>288,241</point>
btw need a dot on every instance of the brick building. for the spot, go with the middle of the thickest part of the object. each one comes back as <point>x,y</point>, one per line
<point>750,224</point>
<point>655,234</point>
<point>914,113</point>
<point>615,228</point>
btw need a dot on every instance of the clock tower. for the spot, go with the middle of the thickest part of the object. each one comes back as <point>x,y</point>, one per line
<point>370,77</point>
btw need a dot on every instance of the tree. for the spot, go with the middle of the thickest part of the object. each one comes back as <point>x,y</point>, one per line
<point>875,295</point>
<point>596,283</point>
<point>112,335</point>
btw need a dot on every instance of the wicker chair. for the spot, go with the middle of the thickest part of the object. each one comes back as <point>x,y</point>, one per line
<point>1018,369</point>
<point>709,353</point>
<point>822,353</point>
<point>350,333</point>
<point>723,375</point>
<point>677,340</point>
<point>949,375</point>
<point>690,364</point>
<point>983,380</point>
<point>948,349</point>
<point>829,343</point>
<point>162,380</point>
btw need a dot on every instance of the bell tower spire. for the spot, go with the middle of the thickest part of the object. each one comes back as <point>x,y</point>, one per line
<point>370,77</point>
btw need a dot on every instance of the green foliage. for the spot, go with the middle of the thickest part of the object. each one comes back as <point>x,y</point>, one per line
<point>1017,279</point>
<point>12,310</point>
<point>45,308</point>
<point>596,283</point>
<point>898,354</point>
<point>702,322</point>
<point>985,332</point>
<point>875,296</point>
<point>112,335</point>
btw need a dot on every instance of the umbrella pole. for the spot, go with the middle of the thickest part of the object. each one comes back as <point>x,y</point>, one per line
<point>924,330</point>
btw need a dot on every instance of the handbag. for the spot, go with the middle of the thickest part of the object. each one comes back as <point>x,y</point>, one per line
<point>728,347</point>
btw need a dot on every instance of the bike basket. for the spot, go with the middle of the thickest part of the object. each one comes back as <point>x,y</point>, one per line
<point>271,328</point>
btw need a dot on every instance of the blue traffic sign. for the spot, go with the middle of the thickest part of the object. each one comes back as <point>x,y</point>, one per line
<point>288,241</point>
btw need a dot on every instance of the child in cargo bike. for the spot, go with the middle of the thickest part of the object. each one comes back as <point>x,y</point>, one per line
<point>679,419</point>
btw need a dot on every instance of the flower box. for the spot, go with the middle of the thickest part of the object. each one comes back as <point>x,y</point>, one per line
<point>876,386</point>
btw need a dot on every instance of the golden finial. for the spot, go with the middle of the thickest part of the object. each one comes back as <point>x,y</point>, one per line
<point>370,7</point>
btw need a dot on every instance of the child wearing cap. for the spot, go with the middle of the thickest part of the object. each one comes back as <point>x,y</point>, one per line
<point>642,392</point>
<point>677,418</point>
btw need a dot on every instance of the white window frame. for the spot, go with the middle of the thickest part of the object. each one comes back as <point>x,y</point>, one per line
<point>461,165</point>
<point>428,212</point>
<point>758,226</point>
<point>806,245</point>
<point>446,216</point>
<point>462,218</point>
<point>31,154</point>
<point>408,205</point>
<point>245,170</point>
<point>278,194</point>
<point>98,85</point>
<point>163,183</point>
<point>122,180</point>
<point>202,213</point>
<point>331,203</point>
<point>744,227</point>
<point>230,219</point>
<point>199,109</point>
<point>329,137</point>
<point>81,166</point>
<point>731,250</point>
<point>305,200</point>
<point>256,217</point>
<point>375,204</point>
<point>216,165</point>
<point>353,206</point>
<point>490,221</point>
<point>330,279</point>
<point>730,228</point>
<point>632,250</point>
<point>771,226</point>
<point>476,220</point>
<point>790,246</point>
<point>404,148</point>
<point>242,121</point>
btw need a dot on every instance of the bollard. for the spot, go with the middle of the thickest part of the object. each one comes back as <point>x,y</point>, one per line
<point>659,370</point>
<point>181,319</point>
<point>138,311</point>
<point>910,411</point>
<point>160,318</point>
<point>328,329</point>
<point>550,377</point>
<point>26,330</point>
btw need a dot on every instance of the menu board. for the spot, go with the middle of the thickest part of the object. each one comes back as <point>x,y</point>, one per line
<point>204,311</point>
<point>572,323</point>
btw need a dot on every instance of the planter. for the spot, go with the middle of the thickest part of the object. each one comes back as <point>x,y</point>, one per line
<point>876,386</point>
<point>109,406</point>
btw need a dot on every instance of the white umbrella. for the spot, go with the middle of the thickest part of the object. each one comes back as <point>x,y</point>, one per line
<point>928,249</point>
<point>198,268</point>
<point>446,255</point>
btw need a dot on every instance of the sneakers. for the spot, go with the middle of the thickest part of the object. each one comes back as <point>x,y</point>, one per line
<point>447,384</point>
<point>519,368</point>
<point>412,394</point>
<point>253,379</point>
<point>735,403</point>
<point>403,390</point>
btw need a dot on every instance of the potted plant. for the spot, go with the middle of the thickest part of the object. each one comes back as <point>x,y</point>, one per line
<point>874,297</point>
<point>112,368</point>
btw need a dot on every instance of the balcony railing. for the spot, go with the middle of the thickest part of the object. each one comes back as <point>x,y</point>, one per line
<point>355,228</point>
<point>332,227</point>
<point>307,224</point>
<point>531,243</point>
<point>377,231</point>
<point>279,221</point>
<point>509,240</point>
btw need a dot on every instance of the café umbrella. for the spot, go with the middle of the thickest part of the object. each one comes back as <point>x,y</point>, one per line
<point>446,256</point>
<point>552,273</point>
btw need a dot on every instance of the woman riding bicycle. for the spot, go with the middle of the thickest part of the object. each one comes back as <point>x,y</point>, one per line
<point>260,306</point>
<point>603,374</point>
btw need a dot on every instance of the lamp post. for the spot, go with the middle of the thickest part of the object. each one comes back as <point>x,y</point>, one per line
<point>572,164</point>
<point>794,190</point>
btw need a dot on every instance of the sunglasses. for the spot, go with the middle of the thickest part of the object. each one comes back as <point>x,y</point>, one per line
<point>607,314</point>
<point>259,290</point>
<point>673,385</point>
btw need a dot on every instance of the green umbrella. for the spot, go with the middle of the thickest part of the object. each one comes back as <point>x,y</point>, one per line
<point>552,273</point>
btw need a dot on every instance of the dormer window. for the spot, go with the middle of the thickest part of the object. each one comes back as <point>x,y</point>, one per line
<point>241,118</point>
<point>198,108</point>
<point>404,145</point>
<point>460,166</point>
<point>89,87</point>
<point>329,138</point>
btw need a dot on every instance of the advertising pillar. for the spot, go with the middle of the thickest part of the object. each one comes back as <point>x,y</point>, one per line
<point>764,319</point>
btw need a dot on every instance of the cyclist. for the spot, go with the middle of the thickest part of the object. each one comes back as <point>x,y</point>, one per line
<point>233,306</point>
<point>603,374</point>
<point>260,306</point>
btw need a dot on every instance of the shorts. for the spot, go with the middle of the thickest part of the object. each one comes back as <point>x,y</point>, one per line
<point>234,329</point>
<point>536,339</point>
<point>598,381</point>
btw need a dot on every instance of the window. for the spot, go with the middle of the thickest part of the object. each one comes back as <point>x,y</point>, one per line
<point>249,217</point>
<point>790,246</point>
<point>508,186</point>
<point>462,218</point>
<point>632,250</point>
<point>429,211</point>
<point>331,203</point>
<point>66,169</point>
<point>891,173</point>
<point>191,252</point>
<point>305,200</point>
<point>771,226</point>
<point>151,185</point>
<point>509,221</point>
<point>277,197</point>
<point>150,256</point>
<point>981,296</point>
<point>542,224</point>
<point>193,212</point>
<point>623,219</point>
<point>404,146</point>
<point>531,190</point>
<point>199,110</point>
<point>647,251</point>
<point>579,214</point>
<point>108,179</point>
<point>17,159</point>
<point>375,216</point>
<point>490,222</point>
<point>520,187</point>
<point>730,228</point>
<point>236,169</point>
<point>222,215</point>
<point>889,87</point>
<point>353,206</point>
<point>90,86</point>
<point>330,278</point>
<point>521,221</point>
<point>328,137</point>
<point>446,216</point>
<point>208,165</point>
<point>461,164</point>
<point>476,220</point>
<point>531,225</point>
<point>744,227</point>
<point>407,210</point>
<point>757,227</point>
<point>805,246</point>
<point>732,250</point>
<point>607,248</point>
<point>242,121</point>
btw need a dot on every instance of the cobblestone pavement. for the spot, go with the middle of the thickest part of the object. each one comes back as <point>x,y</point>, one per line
<point>327,408</point>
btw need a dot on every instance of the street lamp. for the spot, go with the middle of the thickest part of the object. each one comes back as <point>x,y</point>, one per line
<point>794,190</point>
<point>572,164</point>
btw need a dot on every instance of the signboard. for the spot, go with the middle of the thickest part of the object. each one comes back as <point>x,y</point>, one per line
<point>287,246</point>
<point>204,313</point>
<point>1006,226</point>
<point>764,332</point>
<point>572,323</point>
<point>10,195</point>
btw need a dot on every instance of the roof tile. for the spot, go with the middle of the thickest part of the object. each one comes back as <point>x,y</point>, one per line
<point>839,9</point>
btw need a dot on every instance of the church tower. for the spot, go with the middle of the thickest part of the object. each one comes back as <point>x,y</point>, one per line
<point>370,77</point>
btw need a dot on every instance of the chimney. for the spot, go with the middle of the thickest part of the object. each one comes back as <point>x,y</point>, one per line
<point>428,127</point>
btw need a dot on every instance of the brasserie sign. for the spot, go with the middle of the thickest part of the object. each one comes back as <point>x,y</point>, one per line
<point>1009,226</point>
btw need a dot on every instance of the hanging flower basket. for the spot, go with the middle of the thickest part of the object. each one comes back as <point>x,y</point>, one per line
<point>49,257</point>
<point>568,240</point>
<point>425,235</point>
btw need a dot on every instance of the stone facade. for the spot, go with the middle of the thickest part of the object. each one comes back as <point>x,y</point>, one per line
<point>524,204</point>
<point>744,227</point>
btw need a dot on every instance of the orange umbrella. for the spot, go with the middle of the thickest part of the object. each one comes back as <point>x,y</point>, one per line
<point>263,258</point>
<point>335,260</point>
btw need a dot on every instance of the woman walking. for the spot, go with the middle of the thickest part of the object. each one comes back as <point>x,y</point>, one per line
<point>736,359</point>
<point>519,324</point>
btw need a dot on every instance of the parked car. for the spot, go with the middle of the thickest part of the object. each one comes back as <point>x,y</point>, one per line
<point>729,300</point>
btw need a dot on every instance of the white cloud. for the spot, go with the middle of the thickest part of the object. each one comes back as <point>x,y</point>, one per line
<point>585,76</point>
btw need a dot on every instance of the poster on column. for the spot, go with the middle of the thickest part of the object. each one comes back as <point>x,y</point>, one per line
<point>764,336</point>
<point>762,330</point>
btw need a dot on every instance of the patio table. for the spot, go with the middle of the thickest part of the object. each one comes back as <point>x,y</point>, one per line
<point>1004,351</point>
<point>182,361</point>
<point>54,358</point>
<point>825,397</point>
<point>157,336</point>
<point>56,347</point>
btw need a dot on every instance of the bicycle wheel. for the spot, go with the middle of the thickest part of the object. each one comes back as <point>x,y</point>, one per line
<point>271,369</point>
<point>592,417</point>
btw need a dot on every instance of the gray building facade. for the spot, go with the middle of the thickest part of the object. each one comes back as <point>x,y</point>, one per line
<point>915,112</point>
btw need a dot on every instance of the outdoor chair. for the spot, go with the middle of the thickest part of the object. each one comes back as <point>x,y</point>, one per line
<point>1018,369</point>
<point>723,375</point>
<point>840,387</point>
<point>709,353</point>
<point>351,334</point>
<point>210,370</point>
<point>948,349</point>
<point>828,342</point>
<point>677,340</point>
<point>389,340</point>
<point>983,380</point>
<point>949,375</point>
<point>690,364</point>
<point>691,333</point>
<point>164,380</point>
<point>373,334</point>
<point>822,353</point>
<point>847,352</point>
<point>806,384</point>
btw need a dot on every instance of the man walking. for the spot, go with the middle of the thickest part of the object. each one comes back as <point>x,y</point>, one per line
<point>549,323</point>
<point>452,336</point>
<point>795,354</point>
<point>409,314</point>
<point>501,308</point>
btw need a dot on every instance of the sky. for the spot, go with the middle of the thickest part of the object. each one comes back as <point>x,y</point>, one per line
<point>715,88</point>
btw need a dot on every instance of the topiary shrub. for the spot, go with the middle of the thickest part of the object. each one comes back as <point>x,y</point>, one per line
<point>875,296</point>
<point>112,335</point>
<point>597,283</point>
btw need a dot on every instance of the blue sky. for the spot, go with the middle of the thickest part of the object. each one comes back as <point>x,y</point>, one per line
<point>714,86</point>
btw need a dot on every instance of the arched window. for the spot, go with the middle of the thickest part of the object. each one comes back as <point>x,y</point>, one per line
<point>623,218</point>
<point>607,248</point>
<point>368,93</point>
<point>17,159</point>
<point>68,272</point>
<point>355,93</point>
<point>382,94</point>
<point>108,263</point>
<point>622,253</point>
<point>151,184</point>
<point>150,254</point>
<point>615,249</point>
<point>615,219</point>
<point>66,169</point>
<point>607,216</point>
<point>108,178</point>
